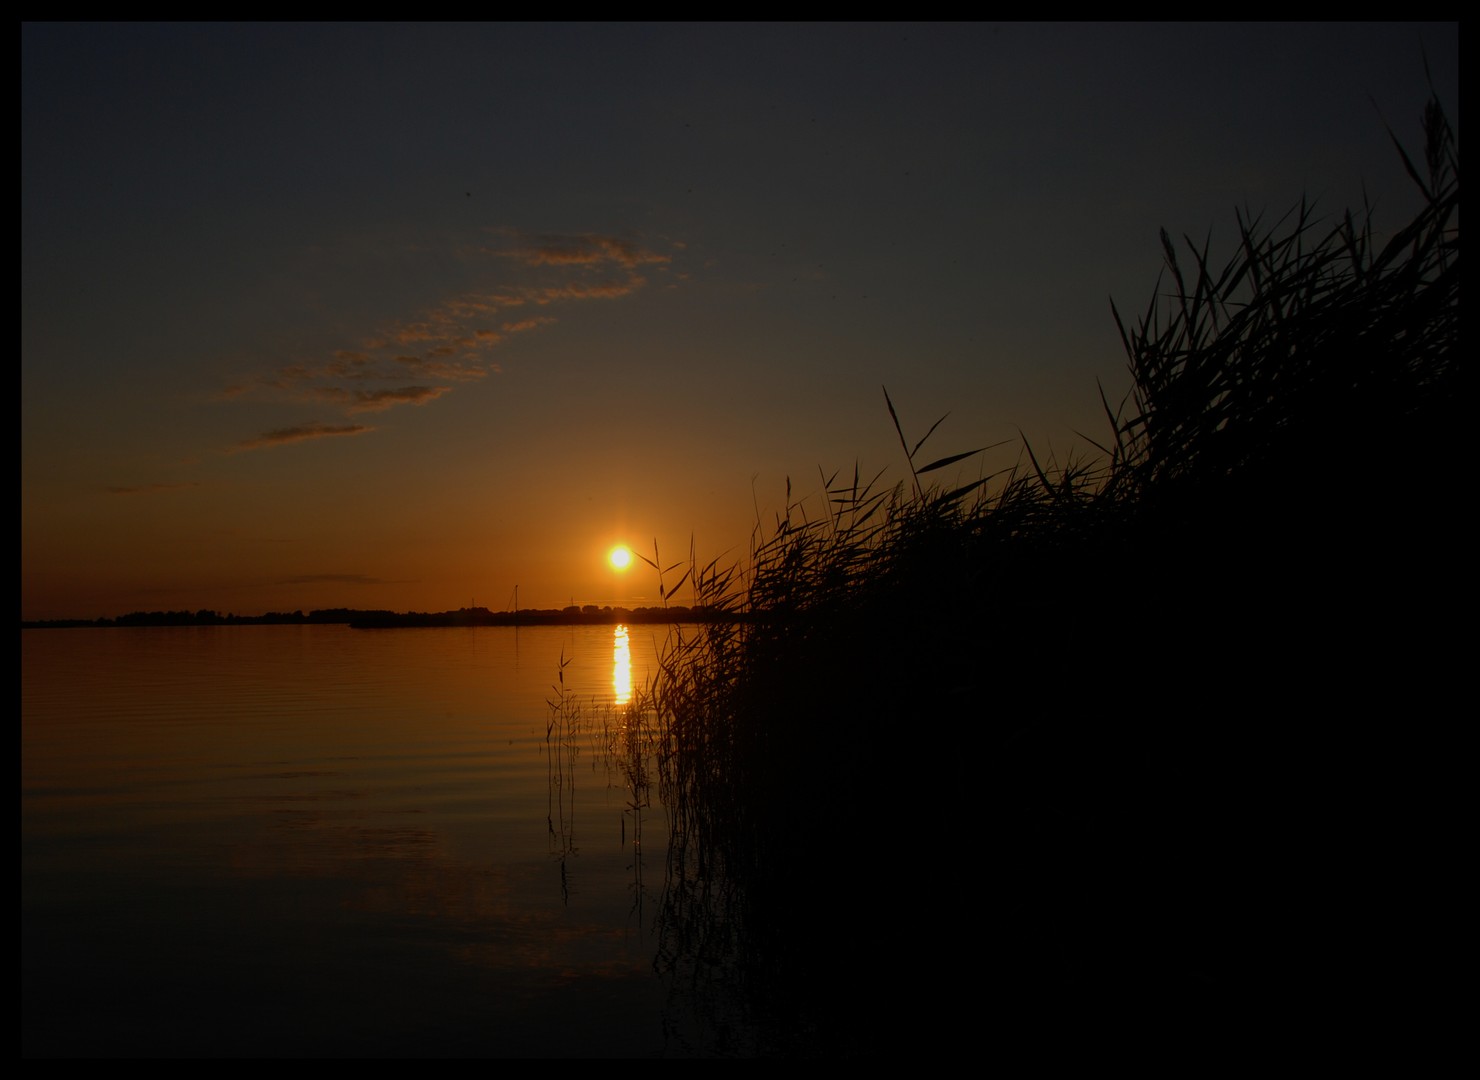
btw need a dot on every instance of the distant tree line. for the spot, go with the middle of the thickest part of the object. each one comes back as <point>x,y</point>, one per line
<point>571,615</point>
<point>574,614</point>
<point>207,617</point>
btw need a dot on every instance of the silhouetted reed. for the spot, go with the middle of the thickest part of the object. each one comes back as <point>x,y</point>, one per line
<point>562,748</point>
<point>1078,663</point>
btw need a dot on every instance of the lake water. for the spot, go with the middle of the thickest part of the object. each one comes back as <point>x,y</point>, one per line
<point>312,840</point>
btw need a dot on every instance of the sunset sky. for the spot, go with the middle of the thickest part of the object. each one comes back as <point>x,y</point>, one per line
<point>406,316</point>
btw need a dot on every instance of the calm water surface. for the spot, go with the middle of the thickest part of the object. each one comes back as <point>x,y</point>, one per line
<point>285,840</point>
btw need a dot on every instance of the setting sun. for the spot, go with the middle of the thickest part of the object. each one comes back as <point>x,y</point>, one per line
<point>620,557</point>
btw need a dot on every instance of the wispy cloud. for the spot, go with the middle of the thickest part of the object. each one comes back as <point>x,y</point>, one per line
<point>301,433</point>
<point>362,401</point>
<point>451,341</point>
<point>445,366</point>
<point>582,250</point>
<point>526,324</point>
<point>604,290</point>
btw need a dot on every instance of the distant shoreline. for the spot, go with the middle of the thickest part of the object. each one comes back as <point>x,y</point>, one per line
<point>574,615</point>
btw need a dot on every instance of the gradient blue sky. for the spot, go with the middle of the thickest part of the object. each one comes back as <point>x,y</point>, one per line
<point>403,316</point>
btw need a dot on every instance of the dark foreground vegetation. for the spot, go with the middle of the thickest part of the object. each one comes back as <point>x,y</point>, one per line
<point>1139,750</point>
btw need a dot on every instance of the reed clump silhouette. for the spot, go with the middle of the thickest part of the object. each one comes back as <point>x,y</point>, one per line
<point>1160,698</point>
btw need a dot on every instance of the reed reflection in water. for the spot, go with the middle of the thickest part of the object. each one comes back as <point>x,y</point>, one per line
<point>277,840</point>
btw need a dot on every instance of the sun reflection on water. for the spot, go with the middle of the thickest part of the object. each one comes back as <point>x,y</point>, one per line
<point>621,666</point>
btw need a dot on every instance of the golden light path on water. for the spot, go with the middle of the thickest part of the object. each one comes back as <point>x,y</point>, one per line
<point>621,666</point>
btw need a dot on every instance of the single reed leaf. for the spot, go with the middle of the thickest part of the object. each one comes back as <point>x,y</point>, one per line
<point>1402,153</point>
<point>929,433</point>
<point>941,463</point>
<point>903,445</point>
<point>1043,479</point>
<point>962,491</point>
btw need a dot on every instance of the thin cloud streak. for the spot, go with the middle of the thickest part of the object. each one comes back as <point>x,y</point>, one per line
<point>584,250</point>
<point>302,433</point>
<point>451,341</point>
<point>362,401</point>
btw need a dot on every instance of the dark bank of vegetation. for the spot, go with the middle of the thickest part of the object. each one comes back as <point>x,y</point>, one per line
<point>209,617</point>
<point>1166,703</point>
<point>571,615</point>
